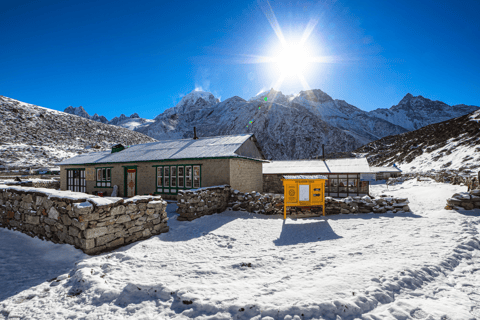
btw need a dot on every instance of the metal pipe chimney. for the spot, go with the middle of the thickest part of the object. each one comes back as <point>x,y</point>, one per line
<point>195,133</point>
<point>323,152</point>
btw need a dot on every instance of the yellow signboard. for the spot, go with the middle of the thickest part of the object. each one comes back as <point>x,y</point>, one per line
<point>303,191</point>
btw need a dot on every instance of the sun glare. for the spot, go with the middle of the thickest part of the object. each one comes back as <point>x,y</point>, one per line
<point>292,60</point>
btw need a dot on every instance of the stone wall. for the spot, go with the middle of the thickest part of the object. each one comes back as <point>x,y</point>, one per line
<point>273,183</point>
<point>196,203</point>
<point>256,202</point>
<point>464,200</point>
<point>90,223</point>
<point>36,183</point>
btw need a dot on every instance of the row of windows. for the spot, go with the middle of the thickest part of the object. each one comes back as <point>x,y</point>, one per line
<point>169,179</point>
<point>172,178</point>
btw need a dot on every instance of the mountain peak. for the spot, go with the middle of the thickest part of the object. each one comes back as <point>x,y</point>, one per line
<point>195,100</point>
<point>315,95</point>
<point>406,99</point>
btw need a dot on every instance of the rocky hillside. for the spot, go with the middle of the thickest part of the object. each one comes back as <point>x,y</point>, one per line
<point>412,113</point>
<point>35,136</point>
<point>133,122</point>
<point>451,144</point>
<point>286,127</point>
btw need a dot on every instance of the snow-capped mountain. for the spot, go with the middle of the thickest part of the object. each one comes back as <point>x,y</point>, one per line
<point>287,127</point>
<point>33,136</point>
<point>196,100</point>
<point>451,144</point>
<point>412,113</point>
<point>132,122</point>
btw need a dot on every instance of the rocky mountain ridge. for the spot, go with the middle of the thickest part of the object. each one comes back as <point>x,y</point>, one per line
<point>34,136</point>
<point>412,112</point>
<point>290,126</point>
<point>132,122</point>
<point>449,145</point>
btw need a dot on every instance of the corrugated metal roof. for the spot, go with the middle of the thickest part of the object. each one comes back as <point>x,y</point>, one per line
<point>206,147</point>
<point>351,165</point>
<point>385,169</point>
<point>305,177</point>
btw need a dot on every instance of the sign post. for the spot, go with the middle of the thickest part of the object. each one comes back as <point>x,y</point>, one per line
<point>303,191</point>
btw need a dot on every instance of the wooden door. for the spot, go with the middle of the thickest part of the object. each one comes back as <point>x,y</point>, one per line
<point>131,181</point>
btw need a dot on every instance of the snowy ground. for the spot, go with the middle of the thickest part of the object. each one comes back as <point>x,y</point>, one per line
<point>420,265</point>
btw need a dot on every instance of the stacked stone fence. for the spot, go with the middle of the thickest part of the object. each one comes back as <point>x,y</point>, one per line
<point>196,203</point>
<point>452,177</point>
<point>92,224</point>
<point>193,204</point>
<point>464,200</point>
<point>36,183</point>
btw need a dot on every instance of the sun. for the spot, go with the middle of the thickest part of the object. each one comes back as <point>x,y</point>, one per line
<point>292,60</point>
<point>295,58</point>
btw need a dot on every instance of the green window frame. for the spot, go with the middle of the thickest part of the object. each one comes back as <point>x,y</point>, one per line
<point>171,178</point>
<point>103,177</point>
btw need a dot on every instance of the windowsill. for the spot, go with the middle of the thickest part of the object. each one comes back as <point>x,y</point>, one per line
<point>104,187</point>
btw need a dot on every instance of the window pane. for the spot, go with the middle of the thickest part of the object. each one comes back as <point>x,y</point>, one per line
<point>99,174</point>
<point>196,171</point>
<point>109,174</point>
<point>196,176</point>
<point>180,181</point>
<point>166,171</point>
<point>173,177</point>
<point>180,171</point>
<point>159,177</point>
<point>188,176</point>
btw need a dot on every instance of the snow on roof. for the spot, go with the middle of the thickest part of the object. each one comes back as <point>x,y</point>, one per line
<point>305,177</point>
<point>385,169</point>
<point>206,147</point>
<point>352,165</point>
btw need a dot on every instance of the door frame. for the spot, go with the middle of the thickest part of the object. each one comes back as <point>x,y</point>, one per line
<point>125,168</point>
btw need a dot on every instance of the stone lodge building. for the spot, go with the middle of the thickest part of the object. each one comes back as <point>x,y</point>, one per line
<point>346,177</point>
<point>167,166</point>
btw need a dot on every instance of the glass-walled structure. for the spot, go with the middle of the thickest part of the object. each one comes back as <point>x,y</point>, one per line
<point>344,185</point>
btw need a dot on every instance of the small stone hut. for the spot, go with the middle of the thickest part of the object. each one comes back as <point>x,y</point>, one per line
<point>346,177</point>
<point>168,166</point>
<point>383,173</point>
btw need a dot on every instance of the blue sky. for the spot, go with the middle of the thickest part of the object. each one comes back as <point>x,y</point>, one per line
<point>114,57</point>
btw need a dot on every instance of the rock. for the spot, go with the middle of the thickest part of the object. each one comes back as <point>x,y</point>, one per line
<point>73,231</point>
<point>117,210</point>
<point>467,205</point>
<point>53,213</point>
<point>100,241</point>
<point>116,243</point>
<point>367,199</point>
<point>82,208</point>
<point>66,219</point>
<point>32,219</point>
<point>344,211</point>
<point>95,232</point>
<point>123,218</point>
<point>87,243</point>
<point>406,208</point>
